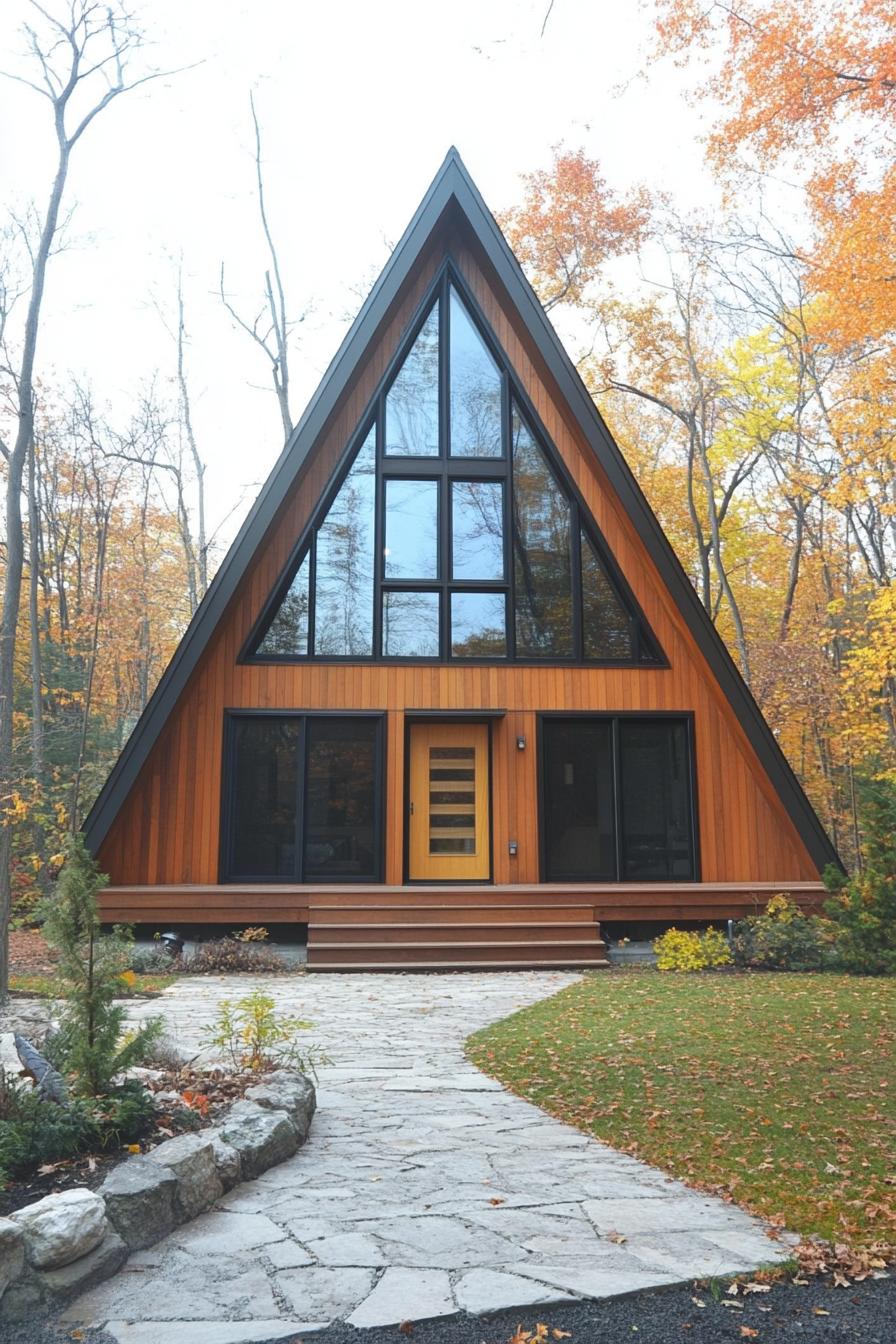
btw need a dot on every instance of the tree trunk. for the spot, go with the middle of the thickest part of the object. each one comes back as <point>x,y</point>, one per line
<point>15,540</point>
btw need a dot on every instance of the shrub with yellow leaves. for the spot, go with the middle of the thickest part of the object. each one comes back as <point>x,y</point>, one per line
<point>690,950</point>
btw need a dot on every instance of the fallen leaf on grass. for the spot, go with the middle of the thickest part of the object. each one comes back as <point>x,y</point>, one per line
<point>736,1306</point>
<point>820,1311</point>
<point>406,1328</point>
<point>698,1302</point>
<point>748,1333</point>
<point>754,1287</point>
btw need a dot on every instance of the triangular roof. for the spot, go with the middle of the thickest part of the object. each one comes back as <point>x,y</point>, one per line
<point>453,188</point>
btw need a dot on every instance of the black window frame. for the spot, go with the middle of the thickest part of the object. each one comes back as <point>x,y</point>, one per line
<point>228,795</point>
<point>685,717</point>
<point>646,650</point>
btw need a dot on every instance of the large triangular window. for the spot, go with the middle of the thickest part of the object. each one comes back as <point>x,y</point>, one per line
<point>452,531</point>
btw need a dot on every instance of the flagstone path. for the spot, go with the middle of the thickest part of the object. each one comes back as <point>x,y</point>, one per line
<point>423,1190</point>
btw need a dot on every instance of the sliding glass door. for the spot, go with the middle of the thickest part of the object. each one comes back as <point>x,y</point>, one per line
<point>302,798</point>
<point>617,799</point>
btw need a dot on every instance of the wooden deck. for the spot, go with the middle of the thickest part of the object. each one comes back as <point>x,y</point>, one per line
<point>375,927</point>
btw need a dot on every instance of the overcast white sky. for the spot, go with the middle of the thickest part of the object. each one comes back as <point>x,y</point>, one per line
<point>359,103</point>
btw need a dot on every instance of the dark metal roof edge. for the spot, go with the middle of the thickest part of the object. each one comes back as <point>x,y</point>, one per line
<point>453,180</point>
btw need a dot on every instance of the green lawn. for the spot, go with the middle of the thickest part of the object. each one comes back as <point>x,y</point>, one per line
<point>777,1089</point>
<point>46,987</point>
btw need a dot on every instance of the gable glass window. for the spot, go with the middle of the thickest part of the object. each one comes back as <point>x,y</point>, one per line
<point>617,797</point>
<point>452,531</point>
<point>301,798</point>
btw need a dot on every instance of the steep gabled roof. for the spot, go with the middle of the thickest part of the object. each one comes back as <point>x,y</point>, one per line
<point>453,186</point>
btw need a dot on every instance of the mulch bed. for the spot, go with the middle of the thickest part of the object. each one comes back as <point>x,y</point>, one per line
<point>29,954</point>
<point>202,1094</point>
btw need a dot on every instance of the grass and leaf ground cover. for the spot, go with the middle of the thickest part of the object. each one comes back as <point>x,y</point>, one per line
<point>775,1090</point>
<point>47,986</point>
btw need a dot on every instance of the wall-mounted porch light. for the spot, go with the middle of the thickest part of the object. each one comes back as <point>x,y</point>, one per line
<point>521,744</point>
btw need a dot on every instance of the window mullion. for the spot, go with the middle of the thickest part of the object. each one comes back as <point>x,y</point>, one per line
<point>617,800</point>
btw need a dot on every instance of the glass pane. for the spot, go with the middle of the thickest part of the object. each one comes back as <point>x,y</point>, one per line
<point>477,530</point>
<point>412,530</point>
<point>287,634</point>
<point>411,625</point>
<point>541,552</point>
<point>340,799</point>
<point>475,390</point>
<point>452,800</point>
<point>605,622</point>
<point>343,611</point>
<point>578,791</point>
<point>412,403</point>
<point>656,800</point>
<point>264,777</point>
<point>478,625</point>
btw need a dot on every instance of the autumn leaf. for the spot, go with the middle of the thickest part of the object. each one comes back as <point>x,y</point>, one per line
<point>748,1333</point>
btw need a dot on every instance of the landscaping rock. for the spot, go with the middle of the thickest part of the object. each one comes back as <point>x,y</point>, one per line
<point>24,1298</point>
<point>192,1159</point>
<point>227,1160</point>
<point>262,1137</point>
<point>103,1261</point>
<point>12,1252</point>
<point>62,1227</point>
<point>287,1090</point>
<point>139,1196</point>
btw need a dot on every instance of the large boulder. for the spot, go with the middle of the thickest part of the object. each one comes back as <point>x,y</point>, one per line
<point>227,1160</point>
<point>261,1136</point>
<point>12,1252</point>
<point>62,1227</point>
<point>38,1290</point>
<point>139,1196</point>
<point>286,1090</point>
<point>191,1157</point>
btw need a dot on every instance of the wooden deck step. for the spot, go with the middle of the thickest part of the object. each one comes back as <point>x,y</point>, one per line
<point>450,914</point>
<point>411,953</point>
<point>531,964</point>
<point>452,931</point>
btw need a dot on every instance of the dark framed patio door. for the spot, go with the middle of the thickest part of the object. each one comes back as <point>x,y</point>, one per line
<point>302,798</point>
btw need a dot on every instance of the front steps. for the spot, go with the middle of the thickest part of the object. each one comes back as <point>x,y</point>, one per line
<point>460,928</point>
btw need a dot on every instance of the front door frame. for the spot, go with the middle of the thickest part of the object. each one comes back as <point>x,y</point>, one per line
<point>447,717</point>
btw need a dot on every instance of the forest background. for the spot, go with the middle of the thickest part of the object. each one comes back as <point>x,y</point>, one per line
<point>742,355</point>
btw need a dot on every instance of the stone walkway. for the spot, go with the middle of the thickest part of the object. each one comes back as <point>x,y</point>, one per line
<point>424,1189</point>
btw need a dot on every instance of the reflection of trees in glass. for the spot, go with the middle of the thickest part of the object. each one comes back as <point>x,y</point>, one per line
<point>605,623</point>
<point>343,596</point>
<point>265,779</point>
<point>477,521</point>
<point>478,625</point>
<point>411,625</point>
<point>412,403</point>
<point>288,630</point>
<point>412,530</point>
<point>339,799</point>
<point>541,552</point>
<point>475,390</point>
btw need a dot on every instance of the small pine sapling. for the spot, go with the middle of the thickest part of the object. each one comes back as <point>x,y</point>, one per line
<point>91,1045</point>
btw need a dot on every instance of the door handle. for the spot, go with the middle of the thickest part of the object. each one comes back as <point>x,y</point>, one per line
<point>412,809</point>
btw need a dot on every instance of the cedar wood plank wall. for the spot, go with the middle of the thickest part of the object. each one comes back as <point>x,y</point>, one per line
<point>168,829</point>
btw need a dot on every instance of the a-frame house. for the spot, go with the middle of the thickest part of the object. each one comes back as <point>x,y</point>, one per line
<point>450,699</point>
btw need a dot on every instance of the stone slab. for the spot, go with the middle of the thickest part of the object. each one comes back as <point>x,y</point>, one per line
<point>482,1291</point>
<point>209,1332</point>
<point>406,1295</point>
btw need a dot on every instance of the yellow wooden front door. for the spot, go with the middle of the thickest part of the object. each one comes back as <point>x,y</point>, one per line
<point>449,803</point>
